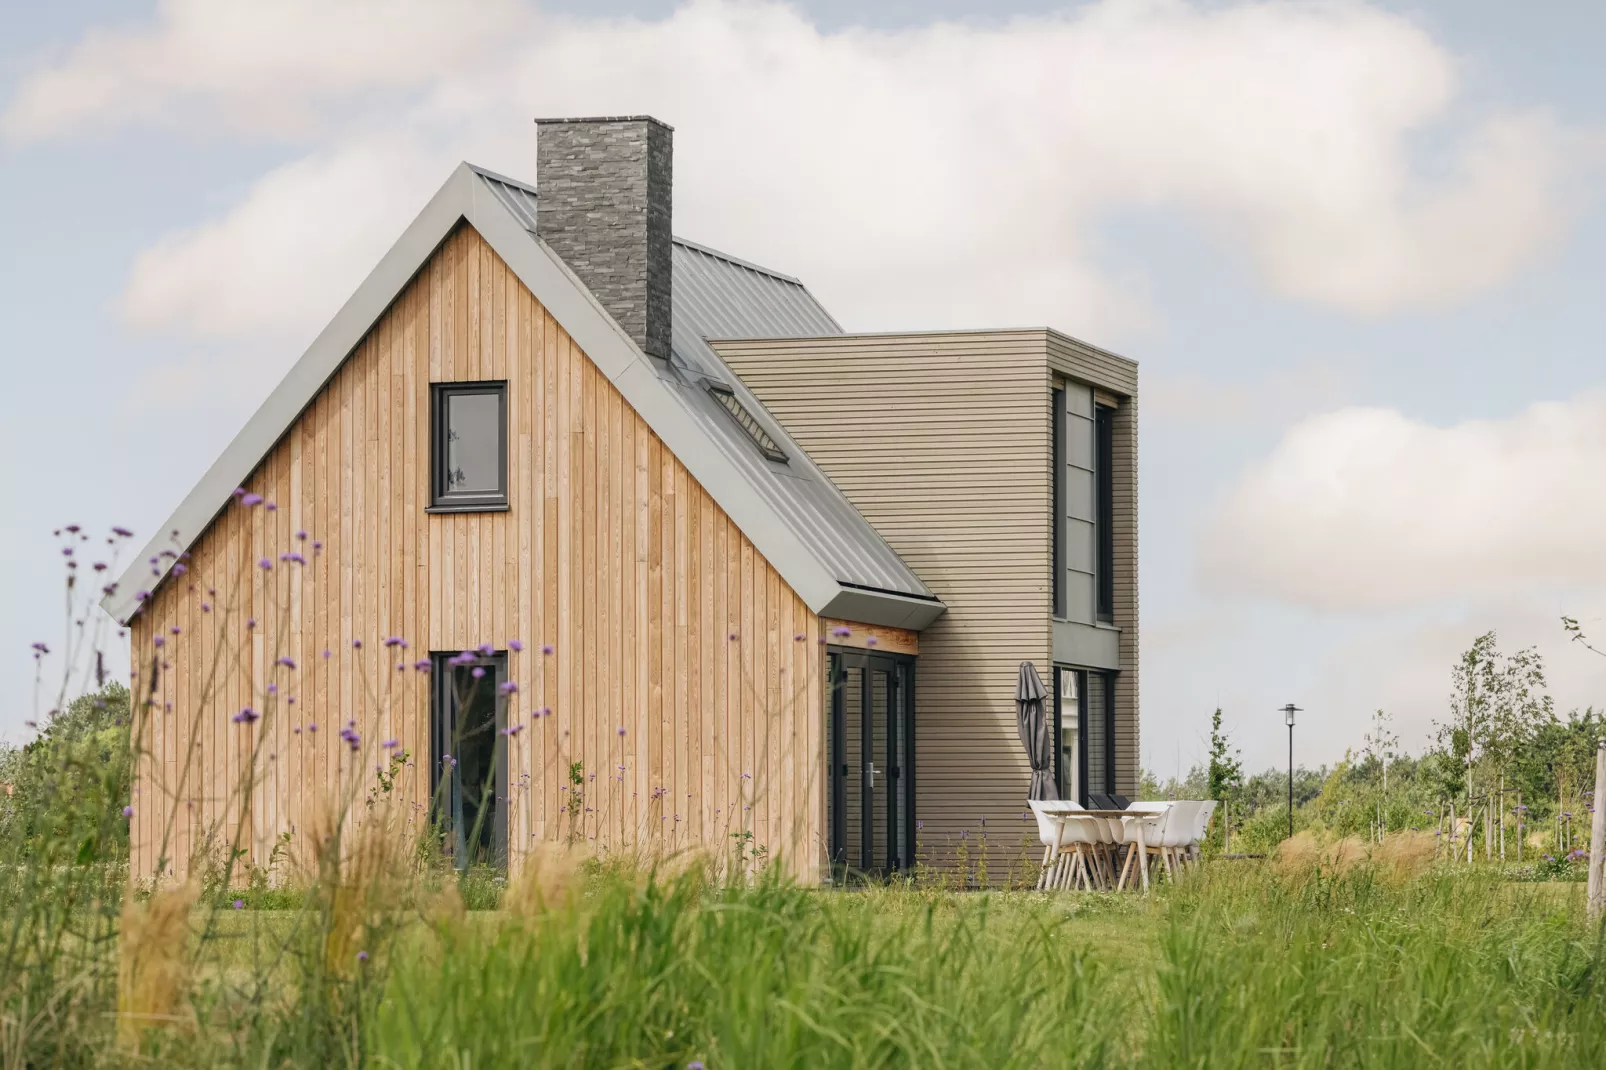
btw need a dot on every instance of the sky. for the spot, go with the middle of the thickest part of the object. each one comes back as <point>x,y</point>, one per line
<point>1355,248</point>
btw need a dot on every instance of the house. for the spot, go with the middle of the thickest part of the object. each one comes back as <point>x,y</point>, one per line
<point>568,528</point>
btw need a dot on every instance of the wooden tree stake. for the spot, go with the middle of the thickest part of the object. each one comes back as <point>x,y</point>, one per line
<point>1597,837</point>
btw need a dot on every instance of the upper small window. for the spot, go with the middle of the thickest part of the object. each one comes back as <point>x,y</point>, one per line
<point>748,423</point>
<point>469,465</point>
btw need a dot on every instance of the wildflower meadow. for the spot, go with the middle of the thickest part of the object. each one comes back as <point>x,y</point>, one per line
<point>1376,937</point>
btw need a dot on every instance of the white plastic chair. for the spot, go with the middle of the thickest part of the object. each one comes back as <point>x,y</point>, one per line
<point>1051,835</point>
<point>1177,834</point>
<point>1065,841</point>
<point>1201,827</point>
<point>1139,832</point>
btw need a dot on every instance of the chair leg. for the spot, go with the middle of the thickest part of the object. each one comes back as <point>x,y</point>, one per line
<point>1042,878</point>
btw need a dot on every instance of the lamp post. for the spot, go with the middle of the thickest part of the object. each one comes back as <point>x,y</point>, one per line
<point>1288,716</point>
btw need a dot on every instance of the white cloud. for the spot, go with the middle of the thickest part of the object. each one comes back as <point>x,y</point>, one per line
<point>1365,508</point>
<point>942,176</point>
<point>253,66</point>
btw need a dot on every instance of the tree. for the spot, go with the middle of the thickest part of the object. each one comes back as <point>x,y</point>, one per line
<point>1226,767</point>
<point>1498,704</point>
<point>1380,744</point>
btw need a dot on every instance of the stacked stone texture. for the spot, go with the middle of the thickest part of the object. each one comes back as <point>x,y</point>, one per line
<point>603,205</point>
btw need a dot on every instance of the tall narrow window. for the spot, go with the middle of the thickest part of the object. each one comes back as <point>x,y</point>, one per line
<point>469,769</point>
<point>1104,463</point>
<point>1069,762</point>
<point>469,462</point>
<point>1056,422</point>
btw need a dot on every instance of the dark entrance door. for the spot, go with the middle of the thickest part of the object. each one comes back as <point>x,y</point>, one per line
<point>870,741</point>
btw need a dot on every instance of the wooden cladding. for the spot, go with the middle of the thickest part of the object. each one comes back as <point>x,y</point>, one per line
<point>942,441</point>
<point>657,655</point>
<point>870,637</point>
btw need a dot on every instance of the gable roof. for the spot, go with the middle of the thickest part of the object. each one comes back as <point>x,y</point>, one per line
<point>824,549</point>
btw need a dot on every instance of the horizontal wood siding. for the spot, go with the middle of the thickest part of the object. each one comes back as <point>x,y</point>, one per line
<point>942,442</point>
<point>685,675</point>
<point>1125,529</point>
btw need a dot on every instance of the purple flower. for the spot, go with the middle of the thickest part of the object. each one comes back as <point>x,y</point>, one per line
<point>159,641</point>
<point>512,730</point>
<point>871,641</point>
<point>326,653</point>
<point>250,622</point>
<point>273,689</point>
<point>799,637</point>
<point>317,545</point>
<point>508,688</point>
<point>66,551</point>
<point>246,716</point>
<point>477,671</point>
<point>287,662</point>
<point>139,596</point>
<point>621,731</point>
<point>312,727</point>
<point>515,646</point>
<point>422,665</point>
<point>99,566</point>
<point>239,904</point>
<point>251,499</point>
<point>547,649</point>
<point>841,631</point>
<point>695,1064</point>
<point>392,744</point>
<point>128,811</point>
<point>270,507</point>
<point>122,533</point>
<point>41,648</point>
<point>356,644</point>
<point>302,535</point>
<point>179,569</point>
<point>362,956</point>
<point>733,637</point>
<point>396,640</point>
<point>206,607</point>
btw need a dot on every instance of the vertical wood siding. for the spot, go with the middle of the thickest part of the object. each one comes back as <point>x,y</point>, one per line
<point>663,619</point>
<point>942,442</point>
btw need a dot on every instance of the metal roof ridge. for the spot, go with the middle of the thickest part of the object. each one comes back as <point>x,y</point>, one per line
<point>738,261</point>
<point>486,172</point>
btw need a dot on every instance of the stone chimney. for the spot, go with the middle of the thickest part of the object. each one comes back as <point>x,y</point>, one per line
<point>603,205</point>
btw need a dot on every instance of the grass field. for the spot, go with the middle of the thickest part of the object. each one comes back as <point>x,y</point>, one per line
<point>1244,966</point>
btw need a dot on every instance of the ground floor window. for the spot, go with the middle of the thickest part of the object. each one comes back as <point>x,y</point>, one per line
<point>469,759</point>
<point>870,752</point>
<point>1084,733</point>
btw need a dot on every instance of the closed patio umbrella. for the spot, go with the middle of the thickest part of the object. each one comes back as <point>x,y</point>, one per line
<point>1034,732</point>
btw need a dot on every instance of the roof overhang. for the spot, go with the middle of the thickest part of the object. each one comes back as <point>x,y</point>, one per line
<point>467,196</point>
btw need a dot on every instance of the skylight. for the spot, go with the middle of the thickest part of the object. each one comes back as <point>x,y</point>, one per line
<point>745,420</point>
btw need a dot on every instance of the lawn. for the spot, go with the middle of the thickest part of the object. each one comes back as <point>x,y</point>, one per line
<point>1245,965</point>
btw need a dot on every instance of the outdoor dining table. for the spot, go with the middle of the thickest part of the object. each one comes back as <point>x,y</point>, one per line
<point>1059,814</point>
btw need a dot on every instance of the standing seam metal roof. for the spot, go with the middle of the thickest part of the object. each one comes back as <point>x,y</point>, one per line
<point>719,296</point>
<point>715,295</point>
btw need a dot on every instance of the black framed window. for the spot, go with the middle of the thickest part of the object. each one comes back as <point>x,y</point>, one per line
<point>1057,481</point>
<point>469,780</point>
<point>468,463</point>
<point>1104,461</point>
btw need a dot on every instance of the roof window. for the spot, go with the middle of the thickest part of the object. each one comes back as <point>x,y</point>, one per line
<point>746,421</point>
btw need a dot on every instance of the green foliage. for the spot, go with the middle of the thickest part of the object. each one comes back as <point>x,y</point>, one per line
<point>72,779</point>
<point>1226,766</point>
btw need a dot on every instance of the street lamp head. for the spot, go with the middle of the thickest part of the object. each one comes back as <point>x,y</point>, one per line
<point>1288,714</point>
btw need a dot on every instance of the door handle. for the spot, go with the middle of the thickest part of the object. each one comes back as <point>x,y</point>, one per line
<point>872,771</point>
